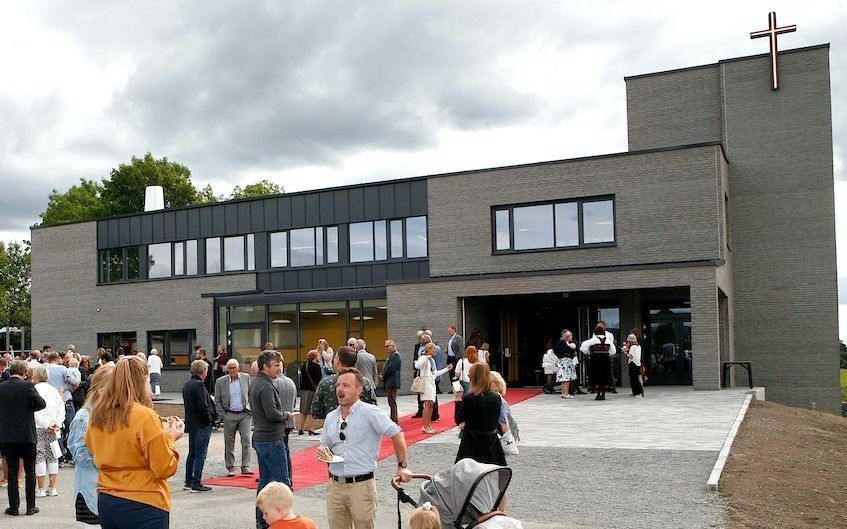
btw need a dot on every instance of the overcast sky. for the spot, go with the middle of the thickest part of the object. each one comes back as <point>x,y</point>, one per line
<point>319,94</point>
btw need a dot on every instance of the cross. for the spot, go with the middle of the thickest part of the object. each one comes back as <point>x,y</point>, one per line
<point>771,33</point>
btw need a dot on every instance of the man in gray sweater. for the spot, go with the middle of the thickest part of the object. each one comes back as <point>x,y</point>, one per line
<point>269,419</point>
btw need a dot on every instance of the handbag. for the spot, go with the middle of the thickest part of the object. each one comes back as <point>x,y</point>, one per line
<point>510,446</point>
<point>417,385</point>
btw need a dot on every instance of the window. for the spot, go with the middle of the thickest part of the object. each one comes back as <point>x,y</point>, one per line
<point>118,264</point>
<point>396,238</point>
<point>179,258</point>
<point>361,242</point>
<point>251,252</point>
<point>279,249</point>
<point>213,255</point>
<point>113,340</point>
<point>380,241</point>
<point>570,224</point>
<point>159,260</point>
<point>302,247</point>
<point>233,254</point>
<point>416,241</point>
<point>175,347</point>
<point>332,244</point>
<point>191,258</point>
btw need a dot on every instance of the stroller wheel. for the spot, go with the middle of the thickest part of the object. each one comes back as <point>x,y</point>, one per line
<point>548,388</point>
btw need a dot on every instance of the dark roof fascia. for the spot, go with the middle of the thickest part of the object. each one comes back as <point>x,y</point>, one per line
<point>734,59</point>
<point>424,177</point>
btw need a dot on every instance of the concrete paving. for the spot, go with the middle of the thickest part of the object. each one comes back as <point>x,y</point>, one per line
<point>622,463</point>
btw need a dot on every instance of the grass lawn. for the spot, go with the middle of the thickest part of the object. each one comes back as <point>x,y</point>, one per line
<point>844,385</point>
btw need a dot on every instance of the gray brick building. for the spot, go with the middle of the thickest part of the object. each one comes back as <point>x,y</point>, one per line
<point>713,236</point>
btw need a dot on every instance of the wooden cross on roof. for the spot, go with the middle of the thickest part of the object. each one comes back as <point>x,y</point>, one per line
<point>771,33</point>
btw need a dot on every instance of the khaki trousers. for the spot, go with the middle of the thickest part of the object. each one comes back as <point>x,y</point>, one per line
<point>349,504</point>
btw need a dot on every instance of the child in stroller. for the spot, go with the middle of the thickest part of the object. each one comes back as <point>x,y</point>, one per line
<point>468,495</point>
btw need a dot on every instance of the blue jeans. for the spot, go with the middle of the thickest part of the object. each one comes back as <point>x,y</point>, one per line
<point>70,412</point>
<point>273,466</point>
<point>198,445</point>
<point>118,513</point>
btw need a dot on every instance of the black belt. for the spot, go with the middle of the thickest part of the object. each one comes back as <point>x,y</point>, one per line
<point>354,479</point>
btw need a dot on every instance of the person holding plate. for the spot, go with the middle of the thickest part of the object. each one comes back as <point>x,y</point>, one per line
<point>350,442</point>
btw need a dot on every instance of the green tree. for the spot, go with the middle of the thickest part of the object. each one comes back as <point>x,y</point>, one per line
<point>82,201</point>
<point>15,281</point>
<point>843,349</point>
<point>207,196</point>
<point>259,189</point>
<point>123,191</point>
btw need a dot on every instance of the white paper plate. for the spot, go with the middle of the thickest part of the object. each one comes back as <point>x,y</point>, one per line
<point>335,459</point>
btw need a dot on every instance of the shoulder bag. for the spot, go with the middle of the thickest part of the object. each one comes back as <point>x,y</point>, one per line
<point>417,385</point>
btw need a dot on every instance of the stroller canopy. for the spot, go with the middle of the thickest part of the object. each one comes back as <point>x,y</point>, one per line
<point>466,491</point>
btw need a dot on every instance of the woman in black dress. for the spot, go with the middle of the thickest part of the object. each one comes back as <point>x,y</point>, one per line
<point>479,410</point>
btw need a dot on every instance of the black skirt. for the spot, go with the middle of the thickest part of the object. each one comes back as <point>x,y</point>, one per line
<point>482,447</point>
<point>601,369</point>
<point>83,513</point>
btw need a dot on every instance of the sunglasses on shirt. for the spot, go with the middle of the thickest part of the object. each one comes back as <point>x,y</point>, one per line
<point>341,433</point>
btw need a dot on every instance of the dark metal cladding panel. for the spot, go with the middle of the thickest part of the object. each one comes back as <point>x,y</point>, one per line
<point>260,240</point>
<point>231,217</point>
<point>348,277</point>
<point>243,218</point>
<point>146,229</point>
<point>271,221</point>
<point>298,211</point>
<point>326,208</point>
<point>218,220</point>
<point>170,225</point>
<point>194,223</point>
<point>123,231</point>
<point>410,270</point>
<point>341,206</point>
<point>263,281</point>
<point>378,274</point>
<point>363,275</point>
<point>304,279</point>
<point>356,204</point>
<point>201,257</point>
<point>402,199</point>
<point>319,278</point>
<point>386,201</point>
<point>313,210</point>
<point>277,281</point>
<point>418,198</point>
<point>206,222</point>
<point>114,233</point>
<point>395,271</point>
<point>102,234</point>
<point>291,280</point>
<point>371,202</point>
<point>158,227</point>
<point>257,216</point>
<point>343,243</point>
<point>333,277</point>
<point>134,231</point>
<point>423,270</point>
<point>181,225</point>
<point>283,205</point>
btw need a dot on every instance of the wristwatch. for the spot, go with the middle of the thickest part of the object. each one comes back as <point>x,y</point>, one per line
<point>403,464</point>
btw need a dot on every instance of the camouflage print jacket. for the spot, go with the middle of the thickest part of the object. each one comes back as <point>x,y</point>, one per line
<point>326,399</point>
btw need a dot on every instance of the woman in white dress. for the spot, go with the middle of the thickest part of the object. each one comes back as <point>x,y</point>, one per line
<point>426,365</point>
<point>48,428</point>
<point>549,361</point>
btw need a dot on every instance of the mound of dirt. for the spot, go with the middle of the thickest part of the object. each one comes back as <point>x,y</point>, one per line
<point>787,468</point>
<point>166,409</point>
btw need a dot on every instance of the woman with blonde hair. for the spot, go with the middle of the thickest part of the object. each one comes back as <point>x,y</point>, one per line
<point>479,411</point>
<point>85,473</point>
<point>463,368</point>
<point>425,364</point>
<point>134,452</point>
<point>48,428</point>
<point>326,355</point>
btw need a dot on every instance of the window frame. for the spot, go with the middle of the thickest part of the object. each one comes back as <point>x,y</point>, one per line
<point>510,208</point>
<point>103,278</point>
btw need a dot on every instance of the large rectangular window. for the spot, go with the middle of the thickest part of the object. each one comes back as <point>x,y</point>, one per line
<point>213,255</point>
<point>302,247</point>
<point>396,229</point>
<point>361,242</point>
<point>416,240</point>
<point>332,244</point>
<point>234,254</point>
<point>380,241</point>
<point>159,260</point>
<point>174,347</point>
<point>279,249</point>
<point>251,252</point>
<point>191,258</point>
<point>566,224</point>
<point>118,264</point>
<point>179,258</point>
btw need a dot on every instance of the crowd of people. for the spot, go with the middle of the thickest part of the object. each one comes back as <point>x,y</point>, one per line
<point>98,416</point>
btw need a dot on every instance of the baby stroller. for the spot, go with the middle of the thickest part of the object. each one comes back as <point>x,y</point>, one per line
<point>467,495</point>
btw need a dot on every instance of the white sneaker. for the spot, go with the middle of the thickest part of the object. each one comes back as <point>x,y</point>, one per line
<point>51,491</point>
<point>39,493</point>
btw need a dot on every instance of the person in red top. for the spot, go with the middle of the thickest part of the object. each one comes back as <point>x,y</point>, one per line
<point>275,501</point>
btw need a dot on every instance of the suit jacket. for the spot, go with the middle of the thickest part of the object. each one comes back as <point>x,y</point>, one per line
<point>198,406</point>
<point>391,370</point>
<point>222,402</point>
<point>17,414</point>
<point>457,346</point>
<point>287,397</point>
<point>366,363</point>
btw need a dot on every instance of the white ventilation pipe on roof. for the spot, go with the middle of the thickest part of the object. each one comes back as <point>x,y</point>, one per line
<point>154,198</point>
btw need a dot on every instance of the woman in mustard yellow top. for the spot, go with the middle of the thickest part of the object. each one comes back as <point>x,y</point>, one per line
<point>134,452</point>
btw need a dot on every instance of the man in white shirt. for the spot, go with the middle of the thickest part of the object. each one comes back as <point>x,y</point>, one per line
<point>34,359</point>
<point>231,398</point>
<point>154,367</point>
<point>611,338</point>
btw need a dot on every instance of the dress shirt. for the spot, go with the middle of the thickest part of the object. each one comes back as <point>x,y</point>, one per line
<point>635,351</point>
<point>57,376</point>
<point>594,340</point>
<point>366,425</point>
<point>235,397</point>
<point>450,346</point>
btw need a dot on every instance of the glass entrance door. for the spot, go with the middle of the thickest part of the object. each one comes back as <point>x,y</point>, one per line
<point>668,346</point>
<point>245,342</point>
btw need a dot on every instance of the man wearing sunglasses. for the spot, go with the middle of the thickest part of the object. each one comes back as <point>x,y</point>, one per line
<point>354,432</point>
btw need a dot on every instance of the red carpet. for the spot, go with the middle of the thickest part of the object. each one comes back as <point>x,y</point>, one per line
<point>308,471</point>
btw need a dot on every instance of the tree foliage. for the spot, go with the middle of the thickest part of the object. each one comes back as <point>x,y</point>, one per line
<point>123,191</point>
<point>15,283</point>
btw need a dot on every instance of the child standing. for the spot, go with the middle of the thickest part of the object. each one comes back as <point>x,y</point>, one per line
<point>275,502</point>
